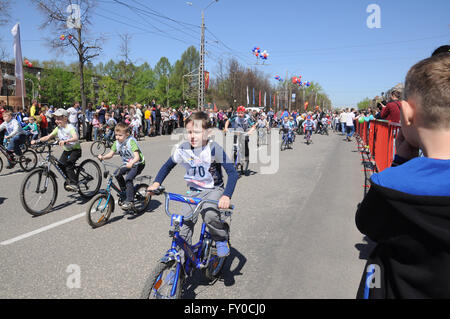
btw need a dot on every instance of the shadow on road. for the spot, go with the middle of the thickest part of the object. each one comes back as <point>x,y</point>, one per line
<point>75,199</point>
<point>12,173</point>
<point>198,283</point>
<point>2,200</point>
<point>154,204</point>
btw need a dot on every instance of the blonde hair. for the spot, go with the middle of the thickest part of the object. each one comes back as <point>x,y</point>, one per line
<point>429,81</point>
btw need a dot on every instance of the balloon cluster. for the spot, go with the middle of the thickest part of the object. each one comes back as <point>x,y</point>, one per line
<point>28,63</point>
<point>63,37</point>
<point>261,54</point>
<point>278,78</point>
<point>298,80</point>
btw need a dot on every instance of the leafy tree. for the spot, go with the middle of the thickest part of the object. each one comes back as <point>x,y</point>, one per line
<point>364,104</point>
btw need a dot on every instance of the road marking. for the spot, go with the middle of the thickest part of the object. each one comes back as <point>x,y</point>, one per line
<point>42,229</point>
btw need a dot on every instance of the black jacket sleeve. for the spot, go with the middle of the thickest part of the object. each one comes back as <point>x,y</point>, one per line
<point>374,217</point>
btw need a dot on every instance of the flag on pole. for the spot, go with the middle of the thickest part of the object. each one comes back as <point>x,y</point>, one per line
<point>265,97</point>
<point>306,105</point>
<point>259,104</point>
<point>248,98</point>
<point>18,72</point>
<point>253,96</point>
<point>206,80</point>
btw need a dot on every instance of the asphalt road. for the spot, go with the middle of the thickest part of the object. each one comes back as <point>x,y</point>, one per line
<point>293,233</point>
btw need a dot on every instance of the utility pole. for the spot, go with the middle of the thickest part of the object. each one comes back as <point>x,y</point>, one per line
<point>201,69</point>
<point>287,91</point>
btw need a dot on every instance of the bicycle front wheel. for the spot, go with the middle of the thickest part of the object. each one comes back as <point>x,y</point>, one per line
<point>38,192</point>
<point>98,148</point>
<point>28,160</point>
<point>1,164</point>
<point>212,272</point>
<point>160,283</point>
<point>99,210</point>
<point>89,176</point>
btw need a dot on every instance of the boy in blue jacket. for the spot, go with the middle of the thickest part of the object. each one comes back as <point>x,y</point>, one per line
<point>407,209</point>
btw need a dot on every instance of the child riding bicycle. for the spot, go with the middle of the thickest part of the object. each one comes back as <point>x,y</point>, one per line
<point>68,139</point>
<point>14,134</point>
<point>288,127</point>
<point>242,122</point>
<point>132,157</point>
<point>308,126</point>
<point>203,161</point>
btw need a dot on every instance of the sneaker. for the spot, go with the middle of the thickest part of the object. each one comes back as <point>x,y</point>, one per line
<point>72,187</point>
<point>127,205</point>
<point>10,166</point>
<point>223,249</point>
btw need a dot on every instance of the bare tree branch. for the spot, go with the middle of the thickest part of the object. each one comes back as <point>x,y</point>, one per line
<point>57,16</point>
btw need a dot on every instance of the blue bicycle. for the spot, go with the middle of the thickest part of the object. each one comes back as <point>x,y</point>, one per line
<point>287,139</point>
<point>102,206</point>
<point>167,279</point>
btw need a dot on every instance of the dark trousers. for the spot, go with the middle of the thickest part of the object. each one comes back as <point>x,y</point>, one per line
<point>127,182</point>
<point>88,135</point>
<point>68,160</point>
<point>158,126</point>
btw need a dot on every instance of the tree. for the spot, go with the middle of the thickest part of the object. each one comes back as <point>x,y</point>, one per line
<point>163,69</point>
<point>126,67</point>
<point>141,85</point>
<point>74,27</point>
<point>57,87</point>
<point>4,19</point>
<point>364,104</point>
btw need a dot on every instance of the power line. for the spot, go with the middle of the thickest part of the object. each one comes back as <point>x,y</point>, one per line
<point>163,34</point>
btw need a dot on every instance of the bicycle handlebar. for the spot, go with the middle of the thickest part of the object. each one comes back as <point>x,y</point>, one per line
<point>117,167</point>
<point>55,143</point>
<point>161,190</point>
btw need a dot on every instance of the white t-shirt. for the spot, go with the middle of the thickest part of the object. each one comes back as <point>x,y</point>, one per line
<point>139,114</point>
<point>73,115</point>
<point>349,119</point>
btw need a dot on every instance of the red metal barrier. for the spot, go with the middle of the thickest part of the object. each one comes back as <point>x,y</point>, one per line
<point>379,136</point>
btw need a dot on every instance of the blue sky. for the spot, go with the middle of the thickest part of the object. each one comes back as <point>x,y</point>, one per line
<point>324,41</point>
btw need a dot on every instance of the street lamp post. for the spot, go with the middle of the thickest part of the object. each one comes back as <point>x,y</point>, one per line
<point>32,83</point>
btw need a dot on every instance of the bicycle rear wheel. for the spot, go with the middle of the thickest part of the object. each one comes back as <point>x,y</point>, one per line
<point>283,145</point>
<point>89,176</point>
<point>98,148</point>
<point>99,210</point>
<point>141,198</point>
<point>28,160</point>
<point>160,283</point>
<point>38,192</point>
